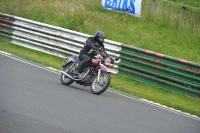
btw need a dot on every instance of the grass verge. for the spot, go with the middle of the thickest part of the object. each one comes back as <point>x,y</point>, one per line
<point>170,99</point>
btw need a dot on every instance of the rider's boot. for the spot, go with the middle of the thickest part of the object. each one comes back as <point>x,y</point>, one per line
<point>77,73</point>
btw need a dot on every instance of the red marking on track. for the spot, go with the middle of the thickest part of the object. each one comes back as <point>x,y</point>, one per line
<point>157,61</point>
<point>184,61</point>
<point>5,15</point>
<point>182,68</point>
<point>196,71</point>
<point>130,46</point>
<point>160,55</point>
<point>144,57</point>
<point>188,69</point>
<point>5,25</point>
<point>148,51</point>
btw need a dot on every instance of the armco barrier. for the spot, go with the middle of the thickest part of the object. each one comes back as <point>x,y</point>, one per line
<point>47,38</point>
<point>149,67</point>
<point>160,70</point>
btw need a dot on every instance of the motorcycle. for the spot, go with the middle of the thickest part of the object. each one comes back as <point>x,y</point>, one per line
<point>95,74</point>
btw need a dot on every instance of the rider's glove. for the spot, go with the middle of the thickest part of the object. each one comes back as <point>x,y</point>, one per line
<point>95,48</point>
<point>94,52</point>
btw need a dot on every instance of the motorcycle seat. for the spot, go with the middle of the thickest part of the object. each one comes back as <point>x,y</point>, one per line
<point>76,57</point>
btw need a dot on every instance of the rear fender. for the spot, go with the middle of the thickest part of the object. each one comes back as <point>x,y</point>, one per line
<point>72,59</point>
<point>65,63</point>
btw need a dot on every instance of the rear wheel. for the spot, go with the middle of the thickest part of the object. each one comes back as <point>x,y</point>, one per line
<point>64,79</point>
<point>100,86</point>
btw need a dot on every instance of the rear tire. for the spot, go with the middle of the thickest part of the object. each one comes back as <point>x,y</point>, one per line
<point>99,87</point>
<point>64,79</point>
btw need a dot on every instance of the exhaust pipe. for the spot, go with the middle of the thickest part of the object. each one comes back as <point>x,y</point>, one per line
<point>70,76</point>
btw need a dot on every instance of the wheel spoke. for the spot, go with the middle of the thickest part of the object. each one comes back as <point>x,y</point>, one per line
<point>98,86</point>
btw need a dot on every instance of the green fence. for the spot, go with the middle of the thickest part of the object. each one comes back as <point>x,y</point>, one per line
<point>160,70</point>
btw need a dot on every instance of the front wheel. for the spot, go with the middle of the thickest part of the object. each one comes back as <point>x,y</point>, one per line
<point>64,79</point>
<point>98,87</point>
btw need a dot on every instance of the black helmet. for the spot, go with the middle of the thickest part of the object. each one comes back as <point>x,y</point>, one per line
<point>98,35</point>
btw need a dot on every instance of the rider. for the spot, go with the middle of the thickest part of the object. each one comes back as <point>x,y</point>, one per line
<point>88,52</point>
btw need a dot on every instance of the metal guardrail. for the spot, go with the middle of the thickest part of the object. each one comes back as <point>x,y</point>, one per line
<point>160,70</point>
<point>47,38</point>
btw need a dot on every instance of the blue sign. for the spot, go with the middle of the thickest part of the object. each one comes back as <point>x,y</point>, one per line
<point>129,6</point>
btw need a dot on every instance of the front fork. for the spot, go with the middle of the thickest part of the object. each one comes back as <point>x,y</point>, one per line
<point>99,72</point>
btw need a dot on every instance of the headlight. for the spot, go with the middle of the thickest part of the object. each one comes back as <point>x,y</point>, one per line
<point>107,62</point>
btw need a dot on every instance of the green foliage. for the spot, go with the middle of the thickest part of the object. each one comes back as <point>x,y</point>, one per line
<point>194,3</point>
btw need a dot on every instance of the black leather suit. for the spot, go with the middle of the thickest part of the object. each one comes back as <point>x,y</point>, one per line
<point>87,53</point>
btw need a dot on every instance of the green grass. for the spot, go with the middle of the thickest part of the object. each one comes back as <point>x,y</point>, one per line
<point>88,16</point>
<point>164,97</point>
<point>194,3</point>
<point>170,99</point>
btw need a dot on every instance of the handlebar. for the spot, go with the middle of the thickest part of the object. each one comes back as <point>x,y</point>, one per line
<point>116,60</point>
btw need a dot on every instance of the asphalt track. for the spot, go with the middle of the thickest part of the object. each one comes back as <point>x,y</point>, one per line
<point>32,100</point>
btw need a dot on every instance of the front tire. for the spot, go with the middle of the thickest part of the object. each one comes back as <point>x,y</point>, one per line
<point>99,87</point>
<point>64,79</point>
